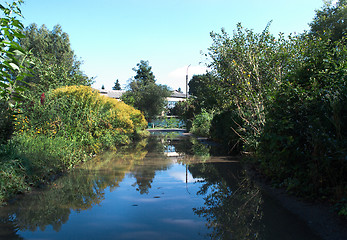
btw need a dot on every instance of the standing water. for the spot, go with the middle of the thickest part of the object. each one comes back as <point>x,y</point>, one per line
<point>166,187</point>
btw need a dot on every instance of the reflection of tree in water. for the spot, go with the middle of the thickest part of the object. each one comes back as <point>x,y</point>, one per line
<point>232,204</point>
<point>144,170</point>
<point>79,190</point>
<point>202,148</point>
<point>144,177</point>
<point>191,146</point>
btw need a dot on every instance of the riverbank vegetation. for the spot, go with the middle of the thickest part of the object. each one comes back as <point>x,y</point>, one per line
<point>283,100</point>
<point>51,119</point>
<point>72,125</point>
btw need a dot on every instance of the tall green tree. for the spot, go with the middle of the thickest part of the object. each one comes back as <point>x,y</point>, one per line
<point>144,94</point>
<point>144,74</point>
<point>55,63</point>
<point>117,85</point>
<point>12,70</point>
<point>249,67</point>
<point>206,92</point>
<point>330,20</point>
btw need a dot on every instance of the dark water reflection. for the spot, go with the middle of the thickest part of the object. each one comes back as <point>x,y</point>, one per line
<point>165,187</point>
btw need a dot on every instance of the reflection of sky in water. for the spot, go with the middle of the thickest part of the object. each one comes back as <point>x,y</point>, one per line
<point>184,177</point>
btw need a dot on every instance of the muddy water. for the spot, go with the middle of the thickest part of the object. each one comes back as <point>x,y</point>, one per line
<point>166,187</point>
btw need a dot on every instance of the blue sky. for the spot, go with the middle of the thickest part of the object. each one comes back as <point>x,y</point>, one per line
<point>112,36</point>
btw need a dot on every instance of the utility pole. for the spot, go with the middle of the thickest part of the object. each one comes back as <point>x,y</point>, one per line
<point>187,83</point>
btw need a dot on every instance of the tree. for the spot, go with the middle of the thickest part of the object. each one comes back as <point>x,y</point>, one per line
<point>331,20</point>
<point>207,94</point>
<point>12,71</point>
<point>144,74</point>
<point>144,94</point>
<point>55,63</point>
<point>116,85</point>
<point>249,68</point>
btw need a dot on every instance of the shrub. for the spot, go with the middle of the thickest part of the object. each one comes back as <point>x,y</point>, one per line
<point>12,174</point>
<point>202,123</point>
<point>60,130</point>
<point>6,127</point>
<point>303,144</point>
<point>82,114</point>
<point>224,127</point>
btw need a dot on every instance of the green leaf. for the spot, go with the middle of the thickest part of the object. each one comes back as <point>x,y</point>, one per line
<point>18,24</point>
<point>14,66</point>
<point>17,99</point>
<point>4,85</point>
<point>21,89</point>
<point>18,52</point>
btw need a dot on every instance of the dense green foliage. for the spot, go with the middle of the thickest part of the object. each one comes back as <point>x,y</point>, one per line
<point>6,121</point>
<point>250,67</point>
<point>12,70</point>
<point>202,123</point>
<point>205,93</point>
<point>54,63</point>
<point>285,101</point>
<point>330,21</point>
<point>70,126</point>
<point>81,113</point>
<point>144,94</point>
<point>144,75</point>
<point>303,145</point>
<point>222,130</point>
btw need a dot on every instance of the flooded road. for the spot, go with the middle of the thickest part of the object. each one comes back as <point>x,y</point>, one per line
<point>165,187</point>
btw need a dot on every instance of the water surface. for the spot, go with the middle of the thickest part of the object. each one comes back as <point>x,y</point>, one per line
<point>165,187</point>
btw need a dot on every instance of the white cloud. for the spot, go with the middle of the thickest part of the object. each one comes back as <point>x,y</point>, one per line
<point>182,176</point>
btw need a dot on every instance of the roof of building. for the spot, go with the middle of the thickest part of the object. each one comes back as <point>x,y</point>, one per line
<point>111,93</point>
<point>118,93</point>
<point>177,94</point>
